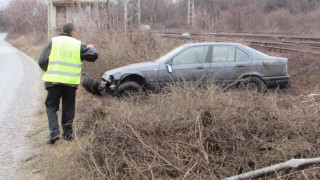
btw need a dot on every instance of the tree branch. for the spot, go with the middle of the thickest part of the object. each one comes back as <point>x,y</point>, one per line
<point>293,163</point>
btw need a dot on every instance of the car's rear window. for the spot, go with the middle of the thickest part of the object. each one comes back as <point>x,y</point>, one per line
<point>242,56</point>
<point>255,51</point>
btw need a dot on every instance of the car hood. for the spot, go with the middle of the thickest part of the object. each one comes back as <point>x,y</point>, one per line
<point>132,68</point>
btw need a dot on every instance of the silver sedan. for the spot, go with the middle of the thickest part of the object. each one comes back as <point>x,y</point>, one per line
<point>224,63</point>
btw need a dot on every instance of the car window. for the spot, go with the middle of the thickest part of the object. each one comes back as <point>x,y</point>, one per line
<point>223,54</point>
<point>171,53</point>
<point>192,55</point>
<point>242,56</point>
<point>255,51</point>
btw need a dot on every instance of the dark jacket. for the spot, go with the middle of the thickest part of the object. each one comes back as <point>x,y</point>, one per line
<point>87,54</point>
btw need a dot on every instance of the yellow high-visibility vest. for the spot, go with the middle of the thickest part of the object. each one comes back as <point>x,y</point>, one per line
<point>65,63</point>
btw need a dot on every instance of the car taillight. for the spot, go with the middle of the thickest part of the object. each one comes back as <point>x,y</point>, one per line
<point>285,68</point>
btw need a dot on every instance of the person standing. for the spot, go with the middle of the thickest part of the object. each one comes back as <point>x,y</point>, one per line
<point>61,59</point>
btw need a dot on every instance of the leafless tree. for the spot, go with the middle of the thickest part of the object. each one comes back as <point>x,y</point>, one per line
<point>26,16</point>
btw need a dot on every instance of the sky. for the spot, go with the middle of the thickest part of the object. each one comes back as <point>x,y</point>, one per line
<point>2,3</point>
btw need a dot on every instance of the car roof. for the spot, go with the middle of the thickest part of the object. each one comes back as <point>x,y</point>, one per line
<point>214,43</point>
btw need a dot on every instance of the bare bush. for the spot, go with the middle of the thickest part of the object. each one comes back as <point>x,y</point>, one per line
<point>280,20</point>
<point>308,22</point>
<point>37,42</point>
<point>26,16</point>
<point>192,132</point>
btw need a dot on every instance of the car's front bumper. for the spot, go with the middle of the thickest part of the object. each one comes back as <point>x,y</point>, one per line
<point>277,81</point>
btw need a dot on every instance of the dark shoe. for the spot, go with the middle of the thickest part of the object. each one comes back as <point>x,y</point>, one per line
<point>52,140</point>
<point>68,137</point>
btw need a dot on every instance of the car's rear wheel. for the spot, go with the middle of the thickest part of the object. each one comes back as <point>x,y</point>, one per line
<point>253,84</point>
<point>129,88</point>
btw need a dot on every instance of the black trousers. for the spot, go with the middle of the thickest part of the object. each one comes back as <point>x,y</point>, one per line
<point>68,96</point>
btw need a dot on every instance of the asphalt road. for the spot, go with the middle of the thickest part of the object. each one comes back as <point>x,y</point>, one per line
<point>20,100</point>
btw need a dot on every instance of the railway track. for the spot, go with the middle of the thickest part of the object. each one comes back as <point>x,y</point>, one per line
<point>272,42</point>
<point>286,47</point>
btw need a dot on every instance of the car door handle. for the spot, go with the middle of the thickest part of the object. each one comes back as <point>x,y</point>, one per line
<point>199,67</point>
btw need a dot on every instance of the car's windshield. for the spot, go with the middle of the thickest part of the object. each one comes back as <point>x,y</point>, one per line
<point>168,55</point>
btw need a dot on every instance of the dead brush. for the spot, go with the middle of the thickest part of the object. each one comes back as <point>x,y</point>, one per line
<point>118,49</point>
<point>22,42</point>
<point>191,132</point>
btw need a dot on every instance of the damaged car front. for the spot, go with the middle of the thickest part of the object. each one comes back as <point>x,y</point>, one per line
<point>134,77</point>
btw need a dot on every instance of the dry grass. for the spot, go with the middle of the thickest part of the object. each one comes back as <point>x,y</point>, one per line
<point>191,132</point>
<point>186,132</point>
<point>31,45</point>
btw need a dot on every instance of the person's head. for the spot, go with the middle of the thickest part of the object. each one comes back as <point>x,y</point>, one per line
<point>68,28</point>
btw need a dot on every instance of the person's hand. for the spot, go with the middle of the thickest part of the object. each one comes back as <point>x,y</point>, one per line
<point>90,46</point>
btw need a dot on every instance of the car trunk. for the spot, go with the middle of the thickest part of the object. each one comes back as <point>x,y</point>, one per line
<point>274,66</point>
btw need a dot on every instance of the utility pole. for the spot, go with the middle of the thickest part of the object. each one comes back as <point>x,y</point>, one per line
<point>131,14</point>
<point>49,22</point>
<point>154,11</point>
<point>125,4</point>
<point>190,18</point>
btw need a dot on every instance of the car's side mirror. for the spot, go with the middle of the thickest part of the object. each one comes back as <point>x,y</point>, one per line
<point>169,67</point>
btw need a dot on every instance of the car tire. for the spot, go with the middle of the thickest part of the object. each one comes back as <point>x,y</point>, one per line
<point>253,84</point>
<point>128,88</point>
<point>90,84</point>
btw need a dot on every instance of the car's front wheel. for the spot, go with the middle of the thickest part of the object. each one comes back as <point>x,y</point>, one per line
<point>253,84</point>
<point>129,88</point>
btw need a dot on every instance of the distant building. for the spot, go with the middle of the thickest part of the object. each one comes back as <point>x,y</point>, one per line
<point>62,11</point>
<point>93,13</point>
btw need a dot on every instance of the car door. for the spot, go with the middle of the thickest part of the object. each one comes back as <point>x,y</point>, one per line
<point>189,65</point>
<point>228,63</point>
